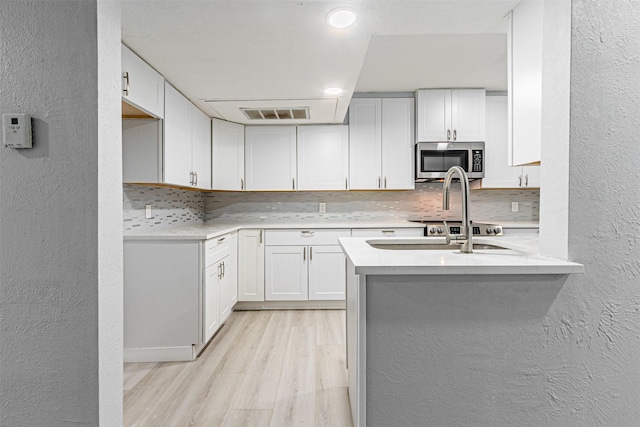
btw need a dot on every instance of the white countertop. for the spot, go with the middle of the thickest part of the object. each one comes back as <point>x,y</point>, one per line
<point>212,229</point>
<point>521,258</point>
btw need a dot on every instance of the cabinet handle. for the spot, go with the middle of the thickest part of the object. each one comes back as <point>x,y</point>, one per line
<point>448,134</point>
<point>388,232</point>
<point>520,181</point>
<point>455,135</point>
<point>385,182</point>
<point>346,184</point>
<point>526,180</point>
<point>221,239</point>
<point>219,271</point>
<point>195,174</point>
<point>306,233</point>
<point>260,236</point>
<point>293,183</point>
<point>378,182</point>
<point>126,84</point>
<point>190,178</point>
<point>241,184</point>
<point>310,253</point>
<point>223,268</point>
<point>304,254</point>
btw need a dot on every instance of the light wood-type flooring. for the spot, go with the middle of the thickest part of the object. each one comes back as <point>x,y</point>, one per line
<point>263,368</point>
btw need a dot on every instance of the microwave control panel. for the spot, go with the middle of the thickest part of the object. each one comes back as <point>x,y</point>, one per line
<point>477,160</point>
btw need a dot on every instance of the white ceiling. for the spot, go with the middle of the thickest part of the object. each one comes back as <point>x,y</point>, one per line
<point>224,55</point>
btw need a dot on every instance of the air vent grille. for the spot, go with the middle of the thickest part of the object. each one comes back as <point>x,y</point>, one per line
<point>301,113</point>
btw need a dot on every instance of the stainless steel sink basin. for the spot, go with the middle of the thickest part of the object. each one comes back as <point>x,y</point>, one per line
<point>408,245</point>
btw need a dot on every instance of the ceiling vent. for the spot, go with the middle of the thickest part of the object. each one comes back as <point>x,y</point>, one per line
<point>276,113</point>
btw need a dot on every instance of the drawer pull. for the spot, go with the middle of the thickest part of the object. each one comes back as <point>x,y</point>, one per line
<point>388,232</point>
<point>221,239</point>
<point>306,233</point>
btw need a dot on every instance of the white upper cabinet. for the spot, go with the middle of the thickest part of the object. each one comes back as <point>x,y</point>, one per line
<point>228,155</point>
<point>142,86</point>
<point>365,143</point>
<point>187,142</point>
<point>524,65</point>
<point>398,129</point>
<point>270,158</point>
<point>454,115</point>
<point>323,157</point>
<point>381,140</point>
<point>498,172</point>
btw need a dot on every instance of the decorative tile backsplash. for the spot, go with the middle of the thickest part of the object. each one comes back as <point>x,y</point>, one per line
<point>169,206</point>
<point>172,207</point>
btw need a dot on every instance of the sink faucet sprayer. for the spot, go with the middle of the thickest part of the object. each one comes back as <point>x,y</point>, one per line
<point>467,234</point>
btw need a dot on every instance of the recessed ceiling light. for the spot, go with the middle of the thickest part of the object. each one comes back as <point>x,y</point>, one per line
<point>333,91</point>
<point>341,17</point>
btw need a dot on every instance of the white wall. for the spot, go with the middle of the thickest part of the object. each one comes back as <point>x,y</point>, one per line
<point>54,200</point>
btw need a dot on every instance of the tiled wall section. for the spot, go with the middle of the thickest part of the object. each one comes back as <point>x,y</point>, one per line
<point>176,207</point>
<point>424,202</point>
<point>169,206</point>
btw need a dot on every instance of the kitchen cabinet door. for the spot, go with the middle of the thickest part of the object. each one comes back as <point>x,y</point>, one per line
<point>229,279</point>
<point>200,148</point>
<point>365,144</point>
<point>530,176</point>
<point>434,115</point>
<point>327,273</point>
<point>270,158</point>
<point>177,138</point>
<point>211,315</point>
<point>323,157</point>
<point>453,115</point>
<point>142,86</point>
<point>398,143</point>
<point>468,115</point>
<point>524,82</point>
<point>228,155</point>
<point>286,273</point>
<point>251,265</point>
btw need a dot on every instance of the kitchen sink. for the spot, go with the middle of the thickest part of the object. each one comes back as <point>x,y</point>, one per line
<point>422,245</point>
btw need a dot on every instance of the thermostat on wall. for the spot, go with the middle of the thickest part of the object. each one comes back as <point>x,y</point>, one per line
<point>16,130</point>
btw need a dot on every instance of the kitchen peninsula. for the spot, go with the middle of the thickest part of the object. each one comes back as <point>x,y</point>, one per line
<point>437,337</point>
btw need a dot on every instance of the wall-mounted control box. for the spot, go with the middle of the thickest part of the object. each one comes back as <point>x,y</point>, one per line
<point>16,130</point>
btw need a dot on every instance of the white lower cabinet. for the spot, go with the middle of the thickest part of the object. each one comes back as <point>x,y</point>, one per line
<point>251,265</point>
<point>302,265</point>
<point>211,306</point>
<point>388,232</point>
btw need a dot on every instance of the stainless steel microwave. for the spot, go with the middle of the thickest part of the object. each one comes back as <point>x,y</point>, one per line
<point>433,159</point>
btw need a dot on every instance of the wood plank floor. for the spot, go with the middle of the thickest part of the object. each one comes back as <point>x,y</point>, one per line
<point>263,368</point>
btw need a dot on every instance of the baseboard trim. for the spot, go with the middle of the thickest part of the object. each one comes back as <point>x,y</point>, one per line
<point>159,354</point>
<point>289,305</point>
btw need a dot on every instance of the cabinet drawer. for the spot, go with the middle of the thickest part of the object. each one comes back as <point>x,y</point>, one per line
<point>387,232</point>
<point>304,237</point>
<point>217,248</point>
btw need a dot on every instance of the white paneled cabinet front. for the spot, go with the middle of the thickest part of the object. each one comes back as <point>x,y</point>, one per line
<point>303,265</point>
<point>142,86</point>
<point>187,142</point>
<point>381,140</point>
<point>270,158</point>
<point>286,273</point>
<point>227,155</point>
<point>499,174</point>
<point>453,115</point>
<point>251,265</point>
<point>211,301</point>
<point>323,157</point>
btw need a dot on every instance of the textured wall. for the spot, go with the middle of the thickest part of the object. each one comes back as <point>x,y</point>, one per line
<point>49,216</point>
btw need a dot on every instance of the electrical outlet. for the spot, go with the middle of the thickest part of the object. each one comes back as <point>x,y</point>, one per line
<point>322,207</point>
<point>514,206</point>
<point>147,213</point>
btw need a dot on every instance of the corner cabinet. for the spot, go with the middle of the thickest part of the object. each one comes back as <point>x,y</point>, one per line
<point>270,158</point>
<point>323,157</point>
<point>227,145</point>
<point>524,81</point>
<point>303,265</point>
<point>142,86</point>
<point>498,172</point>
<point>187,142</point>
<point>381,140</point>
<point>453,115</point>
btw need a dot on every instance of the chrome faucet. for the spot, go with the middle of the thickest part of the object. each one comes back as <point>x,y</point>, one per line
<point>466,236</point>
